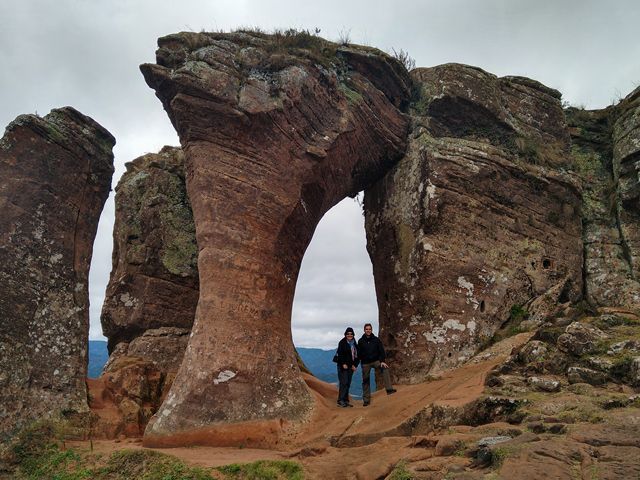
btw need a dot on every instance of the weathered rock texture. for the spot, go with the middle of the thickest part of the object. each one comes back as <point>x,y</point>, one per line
<point>135,381</point>
<point>605,150</point>
<point>152,295</point>
<point>476,219</point>
<point>154,281</point>
<point>55,175</point>
<point>276,130</point>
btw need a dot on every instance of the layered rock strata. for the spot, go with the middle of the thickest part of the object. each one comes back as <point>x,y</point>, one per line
<point>276,130</point>
<point>55,175</point>
<point>626,172</point>
<point>476,222</point>
<point>605,152</point>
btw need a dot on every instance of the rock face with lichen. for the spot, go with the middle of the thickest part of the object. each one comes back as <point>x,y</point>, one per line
<point>154,280</point>
<point>605,148</point>
<point>479,219</point>
<point>276,130</point>
<point>55,175</point>
<point>153,291</point>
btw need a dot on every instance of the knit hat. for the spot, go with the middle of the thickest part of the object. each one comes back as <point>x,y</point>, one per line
<point>349,330</point>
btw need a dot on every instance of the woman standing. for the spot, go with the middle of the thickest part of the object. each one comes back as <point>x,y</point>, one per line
<point>347,363</point>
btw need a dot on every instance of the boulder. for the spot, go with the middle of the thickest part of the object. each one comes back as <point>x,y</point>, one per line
<point>625,345</point>
<point>580,338</point>
<point>276,130</point>
<point>544,384</point>
<point>532,352</point>
<point>479,217</point>
<point>55,175</point>
<point>585,375</point>
<point>135,380</point>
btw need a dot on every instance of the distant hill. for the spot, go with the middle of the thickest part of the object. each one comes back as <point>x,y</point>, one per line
<point>98,356</point>
<point>318,361</point>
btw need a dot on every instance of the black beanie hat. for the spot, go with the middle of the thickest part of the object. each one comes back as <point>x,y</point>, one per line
<point>349,330</point>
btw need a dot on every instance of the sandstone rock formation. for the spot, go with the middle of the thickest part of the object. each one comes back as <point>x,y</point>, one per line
<point>55,175</point>
<point>152,294</point>
<point>605,150</point>
<point>154,281</point>
<point>476,221</point>
<point>276,130</point>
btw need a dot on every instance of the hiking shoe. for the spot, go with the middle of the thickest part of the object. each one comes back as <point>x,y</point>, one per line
<point>365,404</point>
<point>393,390</point>
<point>348,405</point>
<point>343,405</point>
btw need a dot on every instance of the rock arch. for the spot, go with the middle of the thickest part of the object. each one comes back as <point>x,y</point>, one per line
<point>275,131</point>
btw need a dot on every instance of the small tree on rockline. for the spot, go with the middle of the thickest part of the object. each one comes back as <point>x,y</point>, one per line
<point>404,58</point>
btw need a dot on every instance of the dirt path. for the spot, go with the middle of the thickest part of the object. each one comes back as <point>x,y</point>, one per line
<point>373,428</point>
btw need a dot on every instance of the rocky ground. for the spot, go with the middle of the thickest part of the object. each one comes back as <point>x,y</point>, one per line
<point>560,401</point>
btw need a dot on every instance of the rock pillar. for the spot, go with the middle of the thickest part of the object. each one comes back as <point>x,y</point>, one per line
<point>55,175</point>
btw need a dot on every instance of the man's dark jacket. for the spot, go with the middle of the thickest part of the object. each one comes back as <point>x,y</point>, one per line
<point>370,349</point>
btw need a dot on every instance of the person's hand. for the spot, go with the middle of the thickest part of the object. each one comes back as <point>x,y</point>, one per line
<point>353,367</point>
<point>384,365</point>
<point>345,366</point>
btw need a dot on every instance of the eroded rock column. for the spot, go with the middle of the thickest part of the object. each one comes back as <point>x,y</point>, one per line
<point>476,220</point>
<point>276,130</point>
<point>152,294</point>
<point>605,151</point>
<point>55,175</point>
<point>626,170</point>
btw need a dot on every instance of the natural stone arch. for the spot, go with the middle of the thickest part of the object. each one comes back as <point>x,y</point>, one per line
<point>276,130</point>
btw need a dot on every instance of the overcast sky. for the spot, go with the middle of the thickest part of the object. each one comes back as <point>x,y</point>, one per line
<point>85,53</point>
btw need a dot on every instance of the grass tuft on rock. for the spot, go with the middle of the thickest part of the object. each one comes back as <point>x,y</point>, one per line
<point>263,469</point>
<point>37,453</point>
<point>400,472</point>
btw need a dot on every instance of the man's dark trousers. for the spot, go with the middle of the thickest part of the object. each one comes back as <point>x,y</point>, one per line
<point>366,382</point>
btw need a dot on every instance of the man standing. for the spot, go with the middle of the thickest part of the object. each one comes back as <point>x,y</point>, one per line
<point>372,355</point>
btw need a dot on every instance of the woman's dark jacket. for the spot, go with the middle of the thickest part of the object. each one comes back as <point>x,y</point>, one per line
<point>344,354</point>
<point>370,349</point>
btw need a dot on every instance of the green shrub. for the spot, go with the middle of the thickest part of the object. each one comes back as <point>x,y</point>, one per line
<point>606,322</point>
<point>37,454</point>
<point>400,472</point>
<point>518,313</point>
<point>621,367</point>
<point>498,456</point>
<point>263,470</point>
<point>149,465</point>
